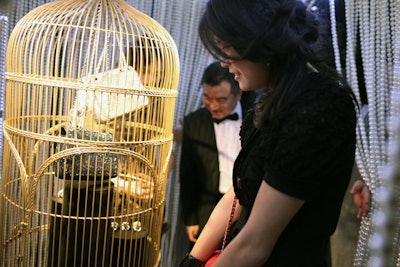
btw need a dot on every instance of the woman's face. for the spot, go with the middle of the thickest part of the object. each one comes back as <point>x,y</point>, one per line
<point>250,75</point>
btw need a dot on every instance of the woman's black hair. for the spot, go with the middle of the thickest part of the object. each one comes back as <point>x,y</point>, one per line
<point>283,34</point>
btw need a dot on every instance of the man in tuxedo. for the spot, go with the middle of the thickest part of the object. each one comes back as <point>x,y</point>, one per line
<point>210,144</point>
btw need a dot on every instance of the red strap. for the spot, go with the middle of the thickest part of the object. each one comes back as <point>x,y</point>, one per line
<point>229,225</point>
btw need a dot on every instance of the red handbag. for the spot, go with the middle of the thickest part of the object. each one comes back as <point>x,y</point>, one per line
<point>216,253</point>
<point>213,258</point>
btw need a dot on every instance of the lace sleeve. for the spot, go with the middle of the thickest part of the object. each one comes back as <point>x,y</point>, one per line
<point>314,139</point>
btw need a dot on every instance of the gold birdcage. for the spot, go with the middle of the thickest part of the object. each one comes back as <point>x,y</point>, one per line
<point>90,94</point>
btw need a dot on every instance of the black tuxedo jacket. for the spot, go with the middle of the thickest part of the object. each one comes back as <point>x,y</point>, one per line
<point>199,167</point>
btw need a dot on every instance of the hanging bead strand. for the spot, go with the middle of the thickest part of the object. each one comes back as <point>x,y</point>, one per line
<point>353,20</point>
<point>332,10</point>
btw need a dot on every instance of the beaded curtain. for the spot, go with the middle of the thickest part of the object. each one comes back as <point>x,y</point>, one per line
<point>375,23</point>
<point>372,28</point>
<point>3,43</point>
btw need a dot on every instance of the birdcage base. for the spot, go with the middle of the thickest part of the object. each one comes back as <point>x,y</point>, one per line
<point>74,241</point>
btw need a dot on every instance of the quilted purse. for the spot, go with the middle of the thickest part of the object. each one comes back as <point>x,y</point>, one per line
<point>89,164</point>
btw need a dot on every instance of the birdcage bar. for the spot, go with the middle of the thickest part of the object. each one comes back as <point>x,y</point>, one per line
<point>91,88</point>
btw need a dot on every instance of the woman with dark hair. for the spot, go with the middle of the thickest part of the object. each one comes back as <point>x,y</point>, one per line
<point>298,143</point>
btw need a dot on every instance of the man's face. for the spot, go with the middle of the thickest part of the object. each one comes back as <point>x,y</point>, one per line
<point>219,100</point>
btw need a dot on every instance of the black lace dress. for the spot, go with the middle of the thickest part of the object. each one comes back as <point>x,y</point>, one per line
<point>308,153</point>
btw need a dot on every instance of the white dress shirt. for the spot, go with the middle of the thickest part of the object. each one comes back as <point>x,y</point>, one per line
<point>228,145</point>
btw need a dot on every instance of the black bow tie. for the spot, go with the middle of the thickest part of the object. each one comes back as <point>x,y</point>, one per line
<point>233,117</point>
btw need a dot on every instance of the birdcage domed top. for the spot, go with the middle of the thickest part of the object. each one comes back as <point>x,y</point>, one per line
<point>72,40</point>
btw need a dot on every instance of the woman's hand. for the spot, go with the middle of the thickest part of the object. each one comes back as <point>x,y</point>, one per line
<point>361,197</point>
